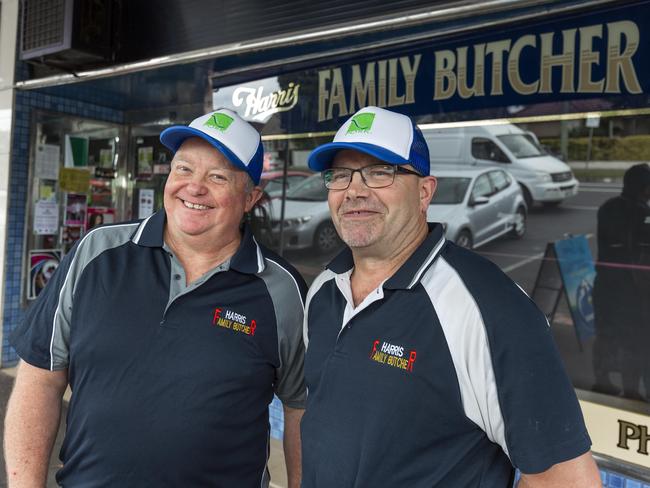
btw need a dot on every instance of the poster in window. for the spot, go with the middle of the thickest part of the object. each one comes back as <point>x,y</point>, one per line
<point>70,234</point>
<point>46,165</point>
<point>46,217</point>
<point>42,264</point>
<point>74,180</point>
<point>145,203</point>
<point>578,274</point>
<point>145,161</point>
<point>76,151</point>
<point>99,216</point>
<point>75,209</point>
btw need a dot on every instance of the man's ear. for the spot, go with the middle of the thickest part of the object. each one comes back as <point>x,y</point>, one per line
<point>253,197</point>
<point>428,186</point>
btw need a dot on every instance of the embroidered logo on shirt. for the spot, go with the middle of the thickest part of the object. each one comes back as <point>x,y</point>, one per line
<point>392,355</point>
<point>237,322</point>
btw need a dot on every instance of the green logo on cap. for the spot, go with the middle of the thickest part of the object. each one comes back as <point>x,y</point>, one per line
<point>219,121</point>
<point>361,123</point>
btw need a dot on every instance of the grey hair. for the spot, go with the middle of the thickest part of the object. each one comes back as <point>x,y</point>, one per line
<point>250,185</point>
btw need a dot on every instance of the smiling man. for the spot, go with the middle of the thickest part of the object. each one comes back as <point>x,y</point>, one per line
<point>173,333</point>
<point>426,366</point>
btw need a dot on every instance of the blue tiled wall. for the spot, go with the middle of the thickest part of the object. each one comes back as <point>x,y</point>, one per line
<point>611,479</point>
<point>25,103</point>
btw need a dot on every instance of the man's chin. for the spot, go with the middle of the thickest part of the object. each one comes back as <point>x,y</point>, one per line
<point>358,240</point>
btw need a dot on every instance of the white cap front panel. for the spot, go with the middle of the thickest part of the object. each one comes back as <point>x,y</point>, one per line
<point>374,125</point>
<point>232,131</point>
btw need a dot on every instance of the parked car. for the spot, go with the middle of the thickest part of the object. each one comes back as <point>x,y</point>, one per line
<point>271,181</point>
<point>477,205</point>
<point>307,221</point>
<point>543,177</point>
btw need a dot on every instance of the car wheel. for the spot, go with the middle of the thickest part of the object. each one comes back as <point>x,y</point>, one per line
<point>519,229</point>
<point>464,239</point>
<point>326,239</point>
<point>528,198</point>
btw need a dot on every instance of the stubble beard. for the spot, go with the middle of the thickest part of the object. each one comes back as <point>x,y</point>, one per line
<point>359,235</point>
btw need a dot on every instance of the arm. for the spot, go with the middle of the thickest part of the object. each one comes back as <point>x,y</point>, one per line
<point>580,472</point>
<point>31,424</point>
<point>291,443</point>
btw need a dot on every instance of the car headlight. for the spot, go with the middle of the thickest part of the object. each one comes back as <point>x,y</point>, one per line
<point>545,177</point>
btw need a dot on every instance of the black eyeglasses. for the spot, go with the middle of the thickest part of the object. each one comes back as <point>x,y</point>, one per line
<point>374,176</point>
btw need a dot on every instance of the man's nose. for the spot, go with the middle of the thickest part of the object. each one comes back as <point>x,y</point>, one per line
<point>197,185</point>
<point>357,186</point>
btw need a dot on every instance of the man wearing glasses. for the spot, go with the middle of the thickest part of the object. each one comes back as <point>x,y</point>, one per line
<point>426,365</point>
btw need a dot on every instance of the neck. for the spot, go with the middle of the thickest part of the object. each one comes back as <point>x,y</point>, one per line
<point>374,265</point>
<point>200,255</point>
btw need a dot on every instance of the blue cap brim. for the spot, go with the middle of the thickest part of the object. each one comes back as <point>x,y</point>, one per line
<point>321,158</point>
<point>174,136</point>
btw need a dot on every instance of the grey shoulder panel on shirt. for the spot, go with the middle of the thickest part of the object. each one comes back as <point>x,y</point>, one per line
<point>92,245</point>
<point>288,306</point>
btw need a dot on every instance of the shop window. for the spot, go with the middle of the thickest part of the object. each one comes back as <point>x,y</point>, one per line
<point>77,183</point>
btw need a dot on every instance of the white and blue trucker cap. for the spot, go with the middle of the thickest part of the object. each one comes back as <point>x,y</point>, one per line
<point>227,132</point>
<point>386,135</point>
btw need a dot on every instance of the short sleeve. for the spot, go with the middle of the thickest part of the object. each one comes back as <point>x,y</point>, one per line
<point>287,290</point>
<point>41,339</point>
<point>512,378</point>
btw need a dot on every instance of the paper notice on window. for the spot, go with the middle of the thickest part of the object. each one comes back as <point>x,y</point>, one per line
<point>74,180</point>
<point>46,217</point>
<point>47,162</point>
<point>145,203</point>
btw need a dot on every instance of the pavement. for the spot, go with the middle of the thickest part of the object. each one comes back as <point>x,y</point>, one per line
<point>276,460</point>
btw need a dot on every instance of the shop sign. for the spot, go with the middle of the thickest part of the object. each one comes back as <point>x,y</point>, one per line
<point>259,106</point>
<point>594,55</point>
<point>582,60</point>
<point>618,433</point>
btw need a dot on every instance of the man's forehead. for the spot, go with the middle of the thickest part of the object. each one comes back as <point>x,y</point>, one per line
<point>350,156</point>
<point>195,148</point>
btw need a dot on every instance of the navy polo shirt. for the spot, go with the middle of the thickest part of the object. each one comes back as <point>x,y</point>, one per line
<point>445,375</point>
<point>170,383</point>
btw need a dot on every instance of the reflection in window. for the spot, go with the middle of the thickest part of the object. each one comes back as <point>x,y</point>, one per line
<point>522,145</point>
<point>482,187</point>
<point>450,190</point>
<point>311,190</point>
<point>487,150</point>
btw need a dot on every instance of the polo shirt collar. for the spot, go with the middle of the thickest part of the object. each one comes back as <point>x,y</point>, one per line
<point>247,259</point>
<point>151,230</point>
<point>410,273</point>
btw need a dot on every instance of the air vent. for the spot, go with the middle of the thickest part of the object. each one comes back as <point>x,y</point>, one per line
<point>66,33</point>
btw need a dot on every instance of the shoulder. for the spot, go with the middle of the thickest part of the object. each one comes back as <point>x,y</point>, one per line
<point>475,279</point>
<point>101,239</point>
